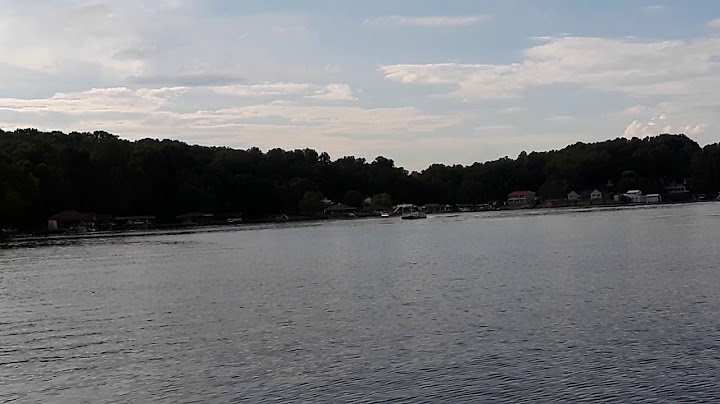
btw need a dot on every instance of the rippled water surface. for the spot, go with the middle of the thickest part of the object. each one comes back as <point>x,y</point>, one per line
<point>574,306</point>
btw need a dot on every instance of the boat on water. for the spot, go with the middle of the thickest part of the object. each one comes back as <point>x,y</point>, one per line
<point>414,215</point>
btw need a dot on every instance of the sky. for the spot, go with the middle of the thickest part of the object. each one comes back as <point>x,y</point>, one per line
<point>418,81</point>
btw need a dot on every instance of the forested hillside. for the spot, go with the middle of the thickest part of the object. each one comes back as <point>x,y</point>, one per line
<point>43,173</point>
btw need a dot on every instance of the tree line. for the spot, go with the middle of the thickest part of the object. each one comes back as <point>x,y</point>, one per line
<point>42,173</point>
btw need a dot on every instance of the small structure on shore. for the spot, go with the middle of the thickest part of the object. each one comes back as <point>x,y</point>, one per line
<point>573,196</point>
<point>653,198</point>
<point>596,195</point>
<point>519,199</point>
<point>134,221</point>
<point>437,208</point>
<point>404,208</point>
<point>72,220</point>
<point>195,218</point>
<point>635,196</point>
<point>339,209</point>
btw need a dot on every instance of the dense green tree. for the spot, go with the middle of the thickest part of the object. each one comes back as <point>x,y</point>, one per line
<point>381,201</point>
<point>311,203</point>
<point>353,198</point>
<point>42,173</point>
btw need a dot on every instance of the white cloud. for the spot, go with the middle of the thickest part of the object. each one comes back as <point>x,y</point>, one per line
<point>158,43</point>
<point>714,24</point>
<point>265,89</point>
<point>658,8</point>
<point>435,21</point>
<point>636,110</point>
<point>620,65</point>
<point>330,92</point>
<point>662,124</point>
<point>144,112</point>
<point>113,100</point>
<point>328,119</point>
<point>42,37</point>
<point>334,92</point>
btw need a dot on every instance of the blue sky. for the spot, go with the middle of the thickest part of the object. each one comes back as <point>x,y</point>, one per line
<point>418,81</point>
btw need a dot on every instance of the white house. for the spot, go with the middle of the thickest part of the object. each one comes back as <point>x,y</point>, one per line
<point>521,198</point>
<point>635,196</point>
<point>573,196</point>
<point>596,195</point>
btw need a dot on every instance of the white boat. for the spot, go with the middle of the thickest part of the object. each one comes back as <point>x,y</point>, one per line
<point>385,214</point>
<point>414,215</point>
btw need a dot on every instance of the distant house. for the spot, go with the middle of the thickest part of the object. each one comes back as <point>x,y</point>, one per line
<point>340,209</point>
<point>437,208</point>
<point>653,198</point>
<point>72,220</point>
<point>676,188</point>
<point>195,218</point>
<point>677,192</point>
<point>466,207</point>
<point>573,196</point>
<point>521,198</point>
<point>596,195</point>
<point>635,196</point>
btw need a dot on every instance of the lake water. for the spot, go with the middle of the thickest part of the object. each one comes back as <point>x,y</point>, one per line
<point>575,306</point>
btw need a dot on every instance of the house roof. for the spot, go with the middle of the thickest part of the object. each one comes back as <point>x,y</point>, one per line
<point>519,193</point>
<point>73,216</point>
<point>596,192</point>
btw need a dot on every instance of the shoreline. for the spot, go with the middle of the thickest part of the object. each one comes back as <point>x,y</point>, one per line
<point>10,241</point>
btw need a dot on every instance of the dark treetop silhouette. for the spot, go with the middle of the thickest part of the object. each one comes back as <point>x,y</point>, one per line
<point>43,173</point>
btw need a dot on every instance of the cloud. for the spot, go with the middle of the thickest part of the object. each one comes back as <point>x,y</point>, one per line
<point>662,124</point>
<point>330,92</point>
<point>658,8</point>
<point>45,35</point>
<point>559,118</point>
<point>512,110</point>
<point>145,112</point>
<point>117,100</point>
<point>615,65</point>
<point>334,92</point>
<point>635,110</point>
<point>714,24</point>
<point>436,21</point>
<point>190,80</point>
<point>149,44</point>
<point>500,127</point>
<point>265,89</point>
